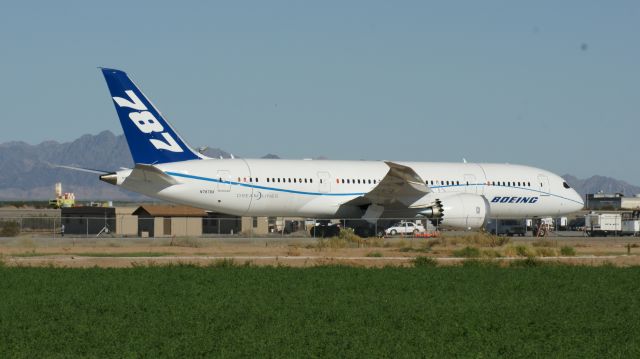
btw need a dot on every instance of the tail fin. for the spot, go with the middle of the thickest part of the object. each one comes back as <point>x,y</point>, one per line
<point>150,137</point>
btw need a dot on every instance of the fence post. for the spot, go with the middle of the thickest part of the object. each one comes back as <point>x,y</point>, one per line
<point>86,221</point>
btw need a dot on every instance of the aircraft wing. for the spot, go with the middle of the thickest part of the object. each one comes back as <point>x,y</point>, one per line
<point>401,184</point>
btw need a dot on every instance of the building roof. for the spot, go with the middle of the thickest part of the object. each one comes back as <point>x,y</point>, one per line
<point>163,210</point>
<point>87,211</point>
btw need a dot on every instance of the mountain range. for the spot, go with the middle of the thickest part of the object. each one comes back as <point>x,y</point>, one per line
<point>27,171</point>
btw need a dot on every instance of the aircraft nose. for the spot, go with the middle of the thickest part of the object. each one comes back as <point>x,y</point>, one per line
<point>578,201</point>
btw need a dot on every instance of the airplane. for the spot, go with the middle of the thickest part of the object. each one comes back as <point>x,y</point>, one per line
<point>455,195</point>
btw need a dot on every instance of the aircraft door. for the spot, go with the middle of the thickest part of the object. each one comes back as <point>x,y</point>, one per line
<point>543,182</point>
<point>324,182</point>
<point>224,177</point>
<point>470,184</point>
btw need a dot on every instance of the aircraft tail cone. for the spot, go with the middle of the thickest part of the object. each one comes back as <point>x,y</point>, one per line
<point>110,178</point>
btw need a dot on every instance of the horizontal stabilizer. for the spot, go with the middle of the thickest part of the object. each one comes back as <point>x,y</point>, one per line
<point>151,175</point>
<point>81,169</point>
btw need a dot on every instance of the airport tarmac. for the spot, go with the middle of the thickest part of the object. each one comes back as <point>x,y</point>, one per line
<point>83,252</point>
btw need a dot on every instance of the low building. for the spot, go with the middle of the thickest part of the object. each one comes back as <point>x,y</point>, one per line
<point>612,202</point>
<point>168,221</point>
<point>126,221</point>
<point>88,220</point>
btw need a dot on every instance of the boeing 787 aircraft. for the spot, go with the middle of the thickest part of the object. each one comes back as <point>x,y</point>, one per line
<point>458,195</point>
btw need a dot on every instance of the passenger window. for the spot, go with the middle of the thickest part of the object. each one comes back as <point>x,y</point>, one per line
<point>310,180</point>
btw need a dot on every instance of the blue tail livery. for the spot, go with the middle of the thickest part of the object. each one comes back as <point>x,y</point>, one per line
<point>150,137</point>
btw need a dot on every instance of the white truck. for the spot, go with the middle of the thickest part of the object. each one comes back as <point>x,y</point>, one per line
<point>631,227</point>
<point>602,224</point>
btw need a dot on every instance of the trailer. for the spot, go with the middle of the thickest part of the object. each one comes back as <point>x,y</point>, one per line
<point>602,224</point>
<point>507,227</point>
<point>631,227</point>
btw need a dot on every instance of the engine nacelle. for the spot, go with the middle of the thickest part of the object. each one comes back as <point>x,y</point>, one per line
<point>461,210</point>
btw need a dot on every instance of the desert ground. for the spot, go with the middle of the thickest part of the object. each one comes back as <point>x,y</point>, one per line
<point>375,252</point>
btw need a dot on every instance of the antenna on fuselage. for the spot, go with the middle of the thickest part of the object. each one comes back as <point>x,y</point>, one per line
<point>464,160</point>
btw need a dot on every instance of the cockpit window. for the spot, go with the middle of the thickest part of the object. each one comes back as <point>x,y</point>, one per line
<point>566,185</point>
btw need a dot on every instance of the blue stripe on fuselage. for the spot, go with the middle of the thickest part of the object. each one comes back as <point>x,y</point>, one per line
<point>338,194</point>
<point>263,187</point>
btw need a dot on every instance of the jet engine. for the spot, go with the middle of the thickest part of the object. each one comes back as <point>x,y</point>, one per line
<point>462,210</point>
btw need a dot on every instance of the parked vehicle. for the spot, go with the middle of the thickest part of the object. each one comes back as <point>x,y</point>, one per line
<point>405,227</point>
<point>602,224</point>
<point>507,227</point>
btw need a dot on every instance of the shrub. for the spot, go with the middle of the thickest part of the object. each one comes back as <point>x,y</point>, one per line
<point>542,243</point>
<point>480,263</point>
<point>293,251</point>
<point>526,263</point>
<point>349,235</point>
<point>567,251</point>
<point>490,253</point>
<point>185,242</point>
<point>223,263</point>
<point>467,252</point>
<point>374,254</point>
<point>9,229</point>
<point>337,242</point>
<point>422,261</point>
<point>485,239</point>
<point>523,251</point>
<point>546,252</point>
<point>374,242</point>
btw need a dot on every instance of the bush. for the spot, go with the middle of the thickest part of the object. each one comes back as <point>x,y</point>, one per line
<point>10,229</point>
<point>546,252</point>
<point>542,243</point>
<point>467,252</point>
<point>480,263</point>
<point>523,251</point>
<point>567,251</point>
<point>490,253</point>
<point>374,254</point>
<point>484,239</point>
<point>185,242</point>
<point>526,263</point>
<point>223,263</point>
<point>422,261</point>
<point>349,235</point>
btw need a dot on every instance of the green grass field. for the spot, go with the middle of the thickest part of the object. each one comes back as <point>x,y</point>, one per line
<point>183,311</point>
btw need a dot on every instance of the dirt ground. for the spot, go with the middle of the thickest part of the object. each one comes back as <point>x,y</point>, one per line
<point>82,252</point>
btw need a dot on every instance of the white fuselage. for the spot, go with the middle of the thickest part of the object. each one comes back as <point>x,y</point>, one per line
<point>319,188</point>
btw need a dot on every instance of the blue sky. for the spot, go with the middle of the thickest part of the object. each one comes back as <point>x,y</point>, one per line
<point>545,83</point>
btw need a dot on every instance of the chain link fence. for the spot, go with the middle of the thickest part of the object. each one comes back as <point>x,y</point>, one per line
<point>128,226</point>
